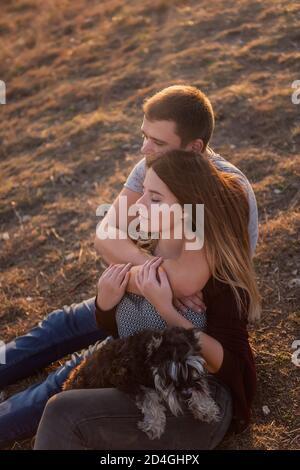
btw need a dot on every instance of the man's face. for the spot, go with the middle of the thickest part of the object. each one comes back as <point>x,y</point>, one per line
<point>159,137</point>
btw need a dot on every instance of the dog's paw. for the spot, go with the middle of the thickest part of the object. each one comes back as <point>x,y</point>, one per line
<point>211,413</point>
<point>204,407</point>
<point>153,432</point>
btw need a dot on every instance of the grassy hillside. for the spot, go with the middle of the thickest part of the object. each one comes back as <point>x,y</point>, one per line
<point>77,72</point>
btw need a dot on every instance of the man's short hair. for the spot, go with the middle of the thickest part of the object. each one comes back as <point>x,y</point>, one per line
<point>188,107</point>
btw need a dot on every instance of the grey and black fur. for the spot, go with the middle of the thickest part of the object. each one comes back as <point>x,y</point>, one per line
<point>158,368</point>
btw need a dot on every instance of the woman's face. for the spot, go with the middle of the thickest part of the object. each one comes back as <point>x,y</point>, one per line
<point>159,210</point>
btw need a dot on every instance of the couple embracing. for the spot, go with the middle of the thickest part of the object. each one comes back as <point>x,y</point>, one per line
<point>212,288</point>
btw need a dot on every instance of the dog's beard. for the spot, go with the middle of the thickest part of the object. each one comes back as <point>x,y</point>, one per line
<point>185,382</point>
<point>167,392</point>
<point>154,412</point>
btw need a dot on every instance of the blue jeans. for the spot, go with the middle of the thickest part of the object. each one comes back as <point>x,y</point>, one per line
<point>62,332</point>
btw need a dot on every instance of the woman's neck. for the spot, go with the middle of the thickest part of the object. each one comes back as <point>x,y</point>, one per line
<point>169,246</point>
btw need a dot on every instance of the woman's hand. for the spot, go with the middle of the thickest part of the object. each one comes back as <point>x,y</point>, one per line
<point>195,302</point>
<point>112,285</point>
<point>153,283</point>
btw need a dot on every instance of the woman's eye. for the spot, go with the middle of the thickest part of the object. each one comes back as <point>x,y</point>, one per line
<point>155,200</point>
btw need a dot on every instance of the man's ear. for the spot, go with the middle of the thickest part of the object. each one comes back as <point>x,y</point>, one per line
<point>195,146</point>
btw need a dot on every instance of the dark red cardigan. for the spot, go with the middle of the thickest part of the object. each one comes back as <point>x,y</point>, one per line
<point>225,324</point>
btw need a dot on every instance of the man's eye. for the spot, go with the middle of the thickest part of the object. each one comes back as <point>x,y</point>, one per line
<point>159,144</point>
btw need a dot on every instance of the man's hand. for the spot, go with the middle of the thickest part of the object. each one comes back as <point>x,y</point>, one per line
<point>195,302</point>
<point>112,285</point>
<point>154,285</point>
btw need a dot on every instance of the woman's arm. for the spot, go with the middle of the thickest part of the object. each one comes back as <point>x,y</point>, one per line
<point>110,290</point>
<point>211,349</point>
<point>106,320</point>
<point>153,282</point>
<point>225,346</point>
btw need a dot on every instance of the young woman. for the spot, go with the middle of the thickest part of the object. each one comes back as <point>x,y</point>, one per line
<point>106,418</point>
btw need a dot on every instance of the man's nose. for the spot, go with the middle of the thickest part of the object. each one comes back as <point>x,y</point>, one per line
<point>147,147</point>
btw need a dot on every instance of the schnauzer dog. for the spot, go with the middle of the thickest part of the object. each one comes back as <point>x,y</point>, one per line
<point>157,368</point>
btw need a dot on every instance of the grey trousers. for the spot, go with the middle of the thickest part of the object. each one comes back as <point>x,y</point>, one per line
<point>106,419</point>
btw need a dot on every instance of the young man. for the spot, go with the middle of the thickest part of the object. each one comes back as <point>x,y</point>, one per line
<point>176,117</point>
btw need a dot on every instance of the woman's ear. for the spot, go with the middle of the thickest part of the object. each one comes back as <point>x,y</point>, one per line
<point>196,146</point>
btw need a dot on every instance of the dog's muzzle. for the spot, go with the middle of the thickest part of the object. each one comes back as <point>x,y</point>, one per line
<point>186,393</point>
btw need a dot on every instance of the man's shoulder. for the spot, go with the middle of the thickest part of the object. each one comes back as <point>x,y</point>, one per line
<point>141,165</point>
<point>136,178</point>
<point>224,165</point>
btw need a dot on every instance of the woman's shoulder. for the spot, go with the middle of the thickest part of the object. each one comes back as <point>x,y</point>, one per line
<point>221,301</point>
<point>214,287</point>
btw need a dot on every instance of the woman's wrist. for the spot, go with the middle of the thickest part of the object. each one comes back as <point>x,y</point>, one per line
<point>100,307</point>
<point>174,318</point>
<point>97,303</point>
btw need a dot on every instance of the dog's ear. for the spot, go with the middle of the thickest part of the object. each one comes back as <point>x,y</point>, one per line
<point>154,343</point>
<point>197,339</point>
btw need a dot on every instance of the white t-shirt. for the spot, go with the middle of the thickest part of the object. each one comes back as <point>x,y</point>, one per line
<point>136,179</point>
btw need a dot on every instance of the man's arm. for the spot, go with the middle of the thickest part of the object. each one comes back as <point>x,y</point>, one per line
<point>118,250</point>
<point>187,274</point>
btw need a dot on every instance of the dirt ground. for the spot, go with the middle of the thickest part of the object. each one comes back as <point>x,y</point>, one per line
<point>76,73</point>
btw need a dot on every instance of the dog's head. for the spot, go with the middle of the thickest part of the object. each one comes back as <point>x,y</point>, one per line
<point>174,356</point>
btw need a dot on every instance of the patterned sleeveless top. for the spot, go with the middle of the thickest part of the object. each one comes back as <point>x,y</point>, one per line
<point>134,313</point>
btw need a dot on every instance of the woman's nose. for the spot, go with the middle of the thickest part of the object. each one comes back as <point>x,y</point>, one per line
<point>142,206</point>
<point>140,200</point>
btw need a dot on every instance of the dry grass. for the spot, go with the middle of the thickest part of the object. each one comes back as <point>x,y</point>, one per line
<point>76,74</point>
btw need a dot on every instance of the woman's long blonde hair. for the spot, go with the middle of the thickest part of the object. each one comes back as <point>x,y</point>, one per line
<point>194,179</point>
